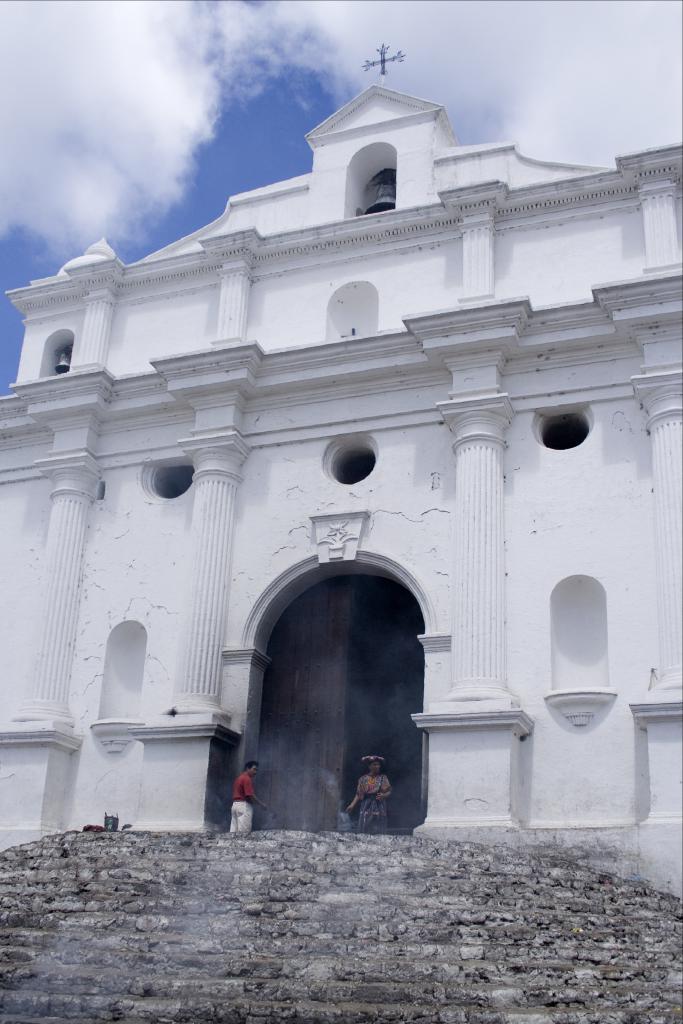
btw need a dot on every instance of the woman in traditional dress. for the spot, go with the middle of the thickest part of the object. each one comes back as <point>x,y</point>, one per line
<point>372,791</point>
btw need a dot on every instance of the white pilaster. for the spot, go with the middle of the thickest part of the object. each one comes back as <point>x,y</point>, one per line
<point>74,480</point>
<point>658,206</point>
<point>244,672</point>
<point>198,797</point>
<point>217,462</point>
<point>662,397</point>
<point>478,235</point>
<point>92,346</point>
<point>478,575</point>
<point>473,767</point>
<point>233,301</point>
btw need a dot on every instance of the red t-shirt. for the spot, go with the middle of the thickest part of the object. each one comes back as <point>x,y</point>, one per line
<point>242,787</point>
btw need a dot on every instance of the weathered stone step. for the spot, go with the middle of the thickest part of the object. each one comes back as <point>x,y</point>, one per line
<point>234,934</point>
<point>35,1006</point>
<point>359,848</point>
<point>385,967</point>
<point>119,909</point>
<point>319,980</point>
<point>163,928</point>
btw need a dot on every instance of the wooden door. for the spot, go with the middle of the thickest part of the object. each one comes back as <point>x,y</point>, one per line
<point>301,745</point>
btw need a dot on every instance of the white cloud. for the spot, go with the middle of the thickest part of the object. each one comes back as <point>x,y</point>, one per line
<point>107,104</point>
<point>567,79</point>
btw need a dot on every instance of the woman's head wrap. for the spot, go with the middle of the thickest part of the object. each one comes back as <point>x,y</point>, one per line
<point>369,758</point>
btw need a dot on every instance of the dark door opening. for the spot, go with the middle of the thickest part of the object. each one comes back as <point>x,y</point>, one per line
<point>347,672</point>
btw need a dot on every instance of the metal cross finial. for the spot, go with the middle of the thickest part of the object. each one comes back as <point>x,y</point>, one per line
<point>383,60</point>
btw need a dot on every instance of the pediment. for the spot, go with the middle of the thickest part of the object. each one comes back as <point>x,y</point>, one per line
<point>373,106</point>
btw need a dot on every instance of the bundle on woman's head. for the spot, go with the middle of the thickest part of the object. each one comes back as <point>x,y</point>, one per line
<point>372,758</point>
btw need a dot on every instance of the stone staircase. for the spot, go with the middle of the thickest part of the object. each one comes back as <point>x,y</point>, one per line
<point>290,926</point>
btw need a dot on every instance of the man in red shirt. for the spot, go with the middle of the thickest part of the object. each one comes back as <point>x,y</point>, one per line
<point>243,799</point>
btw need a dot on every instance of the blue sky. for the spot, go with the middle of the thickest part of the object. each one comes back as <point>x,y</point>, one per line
<point>270,128</point>
<point>137,120</point>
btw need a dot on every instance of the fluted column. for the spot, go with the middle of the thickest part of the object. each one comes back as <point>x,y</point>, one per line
<point>233,302</point>
<point>74,482</point>
<point>92,346</point>
<point>661,396</point>
<point>478,574</point>
<point>478,235</point>
<point>217,464</point>
<point>658,205</point>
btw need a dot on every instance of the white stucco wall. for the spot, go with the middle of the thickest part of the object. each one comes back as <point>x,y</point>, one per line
<point>587,511</point>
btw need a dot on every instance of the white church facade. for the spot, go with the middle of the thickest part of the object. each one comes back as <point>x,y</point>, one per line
<point>387,459</point>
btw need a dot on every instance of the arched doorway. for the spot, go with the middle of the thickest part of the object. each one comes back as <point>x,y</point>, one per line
<point>346,673</point>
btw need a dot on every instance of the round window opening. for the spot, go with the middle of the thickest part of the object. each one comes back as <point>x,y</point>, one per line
<point>564,430</point>
<point>350,461</point>
<point>169,481</point>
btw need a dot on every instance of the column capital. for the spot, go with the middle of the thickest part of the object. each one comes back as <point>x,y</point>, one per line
<point>661,394</point>
<point>477,417</point>
<point>101,292</point>
<point>74,473</point>
<point>219,454</point>
<point>479,215</point>
<point>649,184</point>
<point>240,265</point>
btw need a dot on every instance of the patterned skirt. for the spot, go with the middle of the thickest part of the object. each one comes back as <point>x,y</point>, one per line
<point>372,818</point>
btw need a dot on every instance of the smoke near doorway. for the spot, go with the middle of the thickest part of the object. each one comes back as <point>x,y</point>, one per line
<point>347,672</point>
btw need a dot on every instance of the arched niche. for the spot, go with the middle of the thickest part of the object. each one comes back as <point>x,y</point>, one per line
<point>57,353</point>
<point>363,168</point>
<point>578,614</point>
<point>352,311</point>
<point>124,666</point>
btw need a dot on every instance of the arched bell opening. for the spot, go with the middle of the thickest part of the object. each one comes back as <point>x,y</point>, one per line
<point>57,354</point>
<point>371,180</point>
<point>346,673</point>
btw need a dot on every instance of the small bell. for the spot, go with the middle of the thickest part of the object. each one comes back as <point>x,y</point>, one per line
<point>381,191</point>
<point>63,364</point>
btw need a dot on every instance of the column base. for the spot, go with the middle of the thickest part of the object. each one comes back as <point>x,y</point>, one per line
<point>195,704</point>
<point>476,691</point>
<point>35,759</point>
<point>474,765</point>
<point>187,772</point>
<point>44,711</point>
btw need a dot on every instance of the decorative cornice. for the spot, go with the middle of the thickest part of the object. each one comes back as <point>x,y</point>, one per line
<point>187,727</point>
<point>515,720</point>
<point>510,333</point>
<point>657,712</point>
<point>435,643</point>
<point>49,734</point>
<point>250,656</point>
<point>80,397</point>
<point>219,371</point>
<point>648,301</point>
<point>495,324</point>
<point>662,162</point>
<point>530,202</point>
<point>332,127</point>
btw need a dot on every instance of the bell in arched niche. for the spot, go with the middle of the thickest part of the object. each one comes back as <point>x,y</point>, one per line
<point>380,192</point>
<point>63,364</point>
